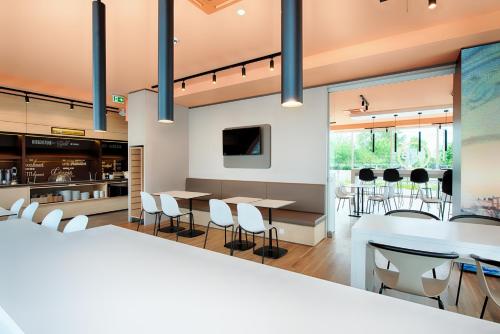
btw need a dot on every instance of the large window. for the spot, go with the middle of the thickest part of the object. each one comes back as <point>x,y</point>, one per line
<point>355,149</point>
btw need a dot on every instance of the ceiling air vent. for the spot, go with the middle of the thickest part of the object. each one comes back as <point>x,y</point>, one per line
<point>212,6</point>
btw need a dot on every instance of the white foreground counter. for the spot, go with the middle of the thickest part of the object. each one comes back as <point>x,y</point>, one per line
<point>112,280</point>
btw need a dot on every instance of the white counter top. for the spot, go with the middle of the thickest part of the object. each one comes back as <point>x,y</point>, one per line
<point>112,280</point>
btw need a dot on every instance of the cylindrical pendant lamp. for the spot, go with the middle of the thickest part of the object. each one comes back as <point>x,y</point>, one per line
<point>291,53</point>
<point>99,64</point>
<point>166,61</point>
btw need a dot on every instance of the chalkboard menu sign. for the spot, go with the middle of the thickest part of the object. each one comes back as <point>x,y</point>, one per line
<point>40,170</point>
<point>47,143</point>
<point>114,148</point>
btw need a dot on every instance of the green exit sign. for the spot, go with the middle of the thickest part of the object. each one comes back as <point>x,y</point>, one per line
<point>118,99</point>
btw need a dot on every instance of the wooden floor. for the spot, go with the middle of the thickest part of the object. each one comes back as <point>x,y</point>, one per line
<point>329,260</point>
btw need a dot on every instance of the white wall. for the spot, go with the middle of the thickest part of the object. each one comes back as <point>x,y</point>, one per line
<point>165,145</point>
<point>299,138</point>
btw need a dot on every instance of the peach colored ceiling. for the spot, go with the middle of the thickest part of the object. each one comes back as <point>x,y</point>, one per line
<point>398,98</point>
<point>46,45</point>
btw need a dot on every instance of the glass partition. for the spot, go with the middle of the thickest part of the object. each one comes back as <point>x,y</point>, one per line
<point>353,149</point>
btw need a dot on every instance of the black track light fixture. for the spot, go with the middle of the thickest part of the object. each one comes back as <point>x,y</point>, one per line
<point>183,86</point>
<point>71,105</point>
<point>214,78</point>
<point>432,4</point>
<point>243,71</point>
<point>271,64</point>
<point>26,98</point>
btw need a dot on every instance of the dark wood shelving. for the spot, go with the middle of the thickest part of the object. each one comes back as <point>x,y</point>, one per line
<point>17,150</point>
<point>60,156</point>
<point>8,157</point>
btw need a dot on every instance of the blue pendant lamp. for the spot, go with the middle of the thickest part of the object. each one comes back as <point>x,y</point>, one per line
<point>166,61</point>
<point>291,53</point>
<point>99,64</point>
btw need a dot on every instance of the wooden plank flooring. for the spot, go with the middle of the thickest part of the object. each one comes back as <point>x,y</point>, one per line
<point>329,260</point>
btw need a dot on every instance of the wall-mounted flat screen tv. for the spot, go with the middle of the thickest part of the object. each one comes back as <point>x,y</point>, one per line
<point>242,141</point>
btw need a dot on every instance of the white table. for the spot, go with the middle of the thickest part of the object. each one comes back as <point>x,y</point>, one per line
<point>240,244</point>
<point>112,280</point>
<point>270,204</point>
<point>359,187</point>
<point>189,195</point>
<point>421,234</point>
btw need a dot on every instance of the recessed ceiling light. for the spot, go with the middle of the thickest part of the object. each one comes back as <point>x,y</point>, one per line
<point>241,12</point>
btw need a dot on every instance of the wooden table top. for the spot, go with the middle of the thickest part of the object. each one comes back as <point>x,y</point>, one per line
<point>272,203</point>
<point>183,194</point>
<point>238,200</point>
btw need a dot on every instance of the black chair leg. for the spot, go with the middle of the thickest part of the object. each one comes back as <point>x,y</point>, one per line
<point>440,303</point>
<point>155,231</point>
<point>206,235</point>
<point>484,307</point>
<point>263,247</point>
<point>381,289</point>
<point>277,243</point>
<point>459,282</point>
<point>159,222</point>
<point>140,219</point>
<point>177,234</point>
<point>253,240</point>
<point>231,252</point>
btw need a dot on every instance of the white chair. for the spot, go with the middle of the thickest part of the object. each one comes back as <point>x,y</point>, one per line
<point>342,196</point>
<point>52,219</point>
<point>470,219</point>
<point>30,210</point>
<point>250,220</point>
<point>384,198</point>
<point>411,266</point>
<point>220,215</point>
<point>78,223</point>
<point>170,208</point>
<point>430,200</point>
<point>486,289</point>
<point>149,207</point>
<point>412,214</point>
<point>16,207</point>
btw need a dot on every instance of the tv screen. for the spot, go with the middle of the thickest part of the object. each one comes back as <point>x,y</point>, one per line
<point>243,141</point>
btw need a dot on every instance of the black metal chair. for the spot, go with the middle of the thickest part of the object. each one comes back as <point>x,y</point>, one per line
<point>447,189</point>
<point>391,175</point>
<point>366,175</point>
<point>419,179</point>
